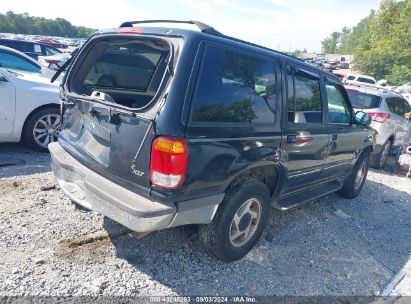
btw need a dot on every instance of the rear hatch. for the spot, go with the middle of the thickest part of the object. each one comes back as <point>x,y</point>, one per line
<point>369,103</point>
<point>111,95</point>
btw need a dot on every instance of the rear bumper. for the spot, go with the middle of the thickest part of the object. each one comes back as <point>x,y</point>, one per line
<point>134,211</point>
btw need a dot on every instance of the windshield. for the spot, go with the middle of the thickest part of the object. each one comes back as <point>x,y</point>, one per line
<point>363,101</point>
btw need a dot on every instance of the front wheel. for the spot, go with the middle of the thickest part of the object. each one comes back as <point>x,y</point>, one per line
<point>355,181</point>
<point>42,128</point>
<point>239,221</point>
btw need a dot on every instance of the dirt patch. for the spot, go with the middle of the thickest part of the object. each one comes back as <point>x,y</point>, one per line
<point>90,248</point>
<point>13,186</point>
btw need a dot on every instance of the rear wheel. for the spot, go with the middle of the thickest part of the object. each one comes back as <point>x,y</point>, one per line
<point>379,160</point>
<point>238,223</point>
<point>355,181</point>
<point>42,128</point>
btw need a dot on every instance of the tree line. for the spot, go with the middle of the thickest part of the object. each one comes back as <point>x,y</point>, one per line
<point>380,42</point>
<point>25,24</point>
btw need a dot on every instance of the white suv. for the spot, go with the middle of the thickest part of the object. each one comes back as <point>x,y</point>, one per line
<point>387,110</point>
<point>359,79</point>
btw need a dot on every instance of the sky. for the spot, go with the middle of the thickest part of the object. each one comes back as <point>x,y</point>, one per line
<point>280,24</point>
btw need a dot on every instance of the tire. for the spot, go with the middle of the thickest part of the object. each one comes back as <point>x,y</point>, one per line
<point>378,160</point>
<point>226,240</point>
<point>47,119</point>
<point>354,182</point>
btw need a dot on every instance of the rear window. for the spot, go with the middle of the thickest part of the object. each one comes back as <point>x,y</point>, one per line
<point>365,80</point>
<point>128,70</point>
<point>350,78</point>
<point>364,101</point>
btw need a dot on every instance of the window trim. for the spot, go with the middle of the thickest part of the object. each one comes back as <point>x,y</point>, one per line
<point>314,75</point>
<point>269,58</point>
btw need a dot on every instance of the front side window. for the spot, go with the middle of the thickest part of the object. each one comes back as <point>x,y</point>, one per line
<point>403,106</point>
<point>338,109</point>
<point>11,61</point>
<point>305,106</point>
<point>393,105</point>
<point>234,87</point>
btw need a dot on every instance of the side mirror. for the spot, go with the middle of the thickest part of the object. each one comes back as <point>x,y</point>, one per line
<point>362,118</point>
<point>407,115</point>
<point>3,79</point>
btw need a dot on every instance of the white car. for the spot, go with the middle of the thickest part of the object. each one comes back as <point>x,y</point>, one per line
<point>29,108</point>
<point>359,79</point>
<point>18,61</point>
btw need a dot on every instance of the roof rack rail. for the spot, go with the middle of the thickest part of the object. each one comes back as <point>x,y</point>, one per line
<point>377,88</point>
<point>208,29</point>
<point>205,28</point>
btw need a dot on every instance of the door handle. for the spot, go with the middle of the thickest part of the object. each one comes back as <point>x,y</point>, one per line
<point>291,139</point>
<point>334,137</point>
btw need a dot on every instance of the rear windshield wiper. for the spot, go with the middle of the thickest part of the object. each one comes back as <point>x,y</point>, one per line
<point>63,67</point>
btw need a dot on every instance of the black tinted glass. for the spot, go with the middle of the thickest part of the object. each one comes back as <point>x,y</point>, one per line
<point>363,101</point>
<point>234,87</point>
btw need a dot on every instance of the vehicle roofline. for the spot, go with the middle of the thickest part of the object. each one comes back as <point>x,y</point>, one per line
<point>214,36</point>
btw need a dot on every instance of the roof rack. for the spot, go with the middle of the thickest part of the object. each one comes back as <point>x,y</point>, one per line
<point>379,88</point>
<point>205,28</point>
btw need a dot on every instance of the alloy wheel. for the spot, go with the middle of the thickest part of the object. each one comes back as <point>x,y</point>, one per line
<point>245,222</point>
<point>46,129</point>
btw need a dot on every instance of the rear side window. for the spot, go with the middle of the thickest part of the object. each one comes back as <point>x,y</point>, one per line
<point>365,80</point>
<point>362,100</point>
<point>128,70</point>
<point>234,87</point>
<point>305,104</point>
<point>12,61</point>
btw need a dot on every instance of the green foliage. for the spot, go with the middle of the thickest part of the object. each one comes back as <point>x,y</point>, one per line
<point>329,45</point>
<point>399,74</point>
<point>26,24</point>
<point>380,43</point>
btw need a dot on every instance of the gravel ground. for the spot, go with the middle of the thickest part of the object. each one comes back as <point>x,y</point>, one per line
<point>331,246</point>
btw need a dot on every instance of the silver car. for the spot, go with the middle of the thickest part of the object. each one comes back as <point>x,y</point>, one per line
<point>387,110</point>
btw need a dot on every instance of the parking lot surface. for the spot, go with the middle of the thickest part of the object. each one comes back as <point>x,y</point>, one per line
<point>330,246</point>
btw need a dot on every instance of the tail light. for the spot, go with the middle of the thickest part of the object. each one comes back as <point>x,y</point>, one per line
<point>169,162</point>
<point>379,116</point>
<point>131,30</point>
<point>52,61</point>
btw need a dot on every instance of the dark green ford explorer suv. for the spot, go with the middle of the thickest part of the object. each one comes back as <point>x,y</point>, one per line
<point>164,126</point>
